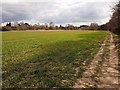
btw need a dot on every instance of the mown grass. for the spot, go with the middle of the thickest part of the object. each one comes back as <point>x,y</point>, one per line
<point>47,58</point>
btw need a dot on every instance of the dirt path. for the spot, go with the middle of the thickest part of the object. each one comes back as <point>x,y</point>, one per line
<point>103,70</point>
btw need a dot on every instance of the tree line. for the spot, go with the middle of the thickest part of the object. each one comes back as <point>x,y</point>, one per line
<point>114,23</point>
<point>50,26</point>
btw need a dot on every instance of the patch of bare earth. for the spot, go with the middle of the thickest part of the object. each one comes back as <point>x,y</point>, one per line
<point>103,71</point>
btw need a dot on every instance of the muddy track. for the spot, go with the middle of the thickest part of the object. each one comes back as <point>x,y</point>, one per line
<point>103,71</point>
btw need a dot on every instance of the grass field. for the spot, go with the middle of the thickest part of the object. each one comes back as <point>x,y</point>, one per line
<point>47,58</point>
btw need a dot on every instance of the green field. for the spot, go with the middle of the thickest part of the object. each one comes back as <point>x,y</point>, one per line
<point>47,58</point>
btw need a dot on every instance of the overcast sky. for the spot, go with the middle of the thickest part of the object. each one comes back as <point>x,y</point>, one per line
<point>58,11</point>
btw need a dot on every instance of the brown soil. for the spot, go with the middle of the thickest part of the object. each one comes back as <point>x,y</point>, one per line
<point>103,71</point>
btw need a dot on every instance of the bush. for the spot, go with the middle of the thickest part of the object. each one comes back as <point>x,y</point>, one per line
<point>6,28</point>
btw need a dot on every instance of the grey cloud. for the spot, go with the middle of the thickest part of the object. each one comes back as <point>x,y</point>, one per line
<point>88,12</point>
<point>12,12</point>
<point>55,11</point>
<point>26,11</point>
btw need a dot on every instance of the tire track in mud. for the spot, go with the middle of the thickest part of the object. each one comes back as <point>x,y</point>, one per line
<point>103,71</point>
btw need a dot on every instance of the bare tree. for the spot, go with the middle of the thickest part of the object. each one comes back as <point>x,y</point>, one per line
<point>51,25</point>
<point>94,26</point>
<point>46,26</point>
<point>114,23</point>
